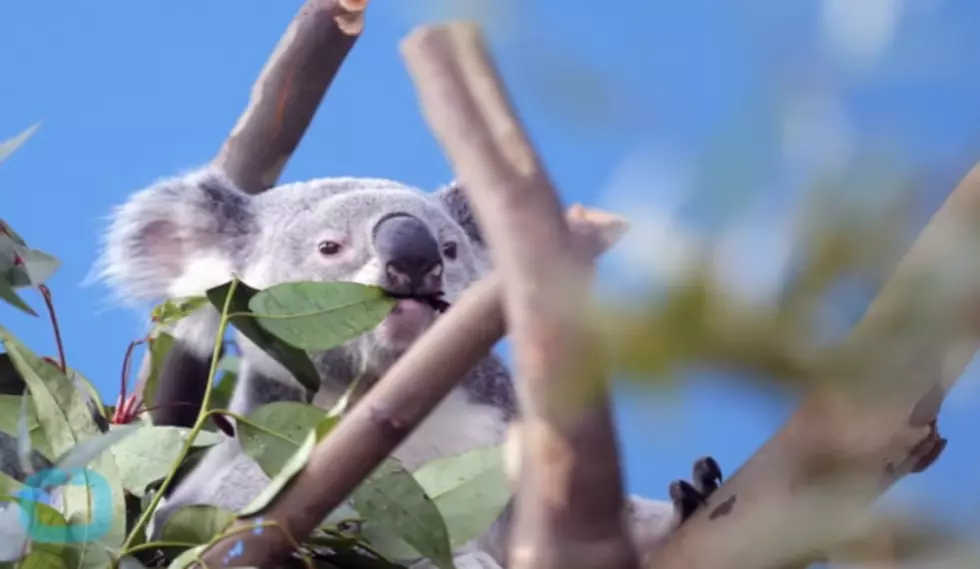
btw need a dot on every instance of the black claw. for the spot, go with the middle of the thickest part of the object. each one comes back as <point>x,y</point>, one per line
<point>707,476</point>
<point>686,498</point>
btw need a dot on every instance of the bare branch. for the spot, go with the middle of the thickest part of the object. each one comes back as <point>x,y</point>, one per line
<point>289,90</point>
<point>883,431</point>
<point>284,99</point>
<point>570,505</point>
<point>391,410</point>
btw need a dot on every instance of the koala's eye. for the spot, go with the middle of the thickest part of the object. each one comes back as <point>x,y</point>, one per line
<point>449,250</point>
<point>329,247</point>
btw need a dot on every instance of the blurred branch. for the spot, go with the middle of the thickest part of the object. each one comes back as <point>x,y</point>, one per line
<point>284,99</point>
<point>391,410</point>
<point>877,430</point>
<point>570,507</point>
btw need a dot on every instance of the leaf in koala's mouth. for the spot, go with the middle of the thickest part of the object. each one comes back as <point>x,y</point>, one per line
<point>433,300</point>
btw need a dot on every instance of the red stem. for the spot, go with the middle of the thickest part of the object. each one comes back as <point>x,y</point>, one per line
<point>46,294</point>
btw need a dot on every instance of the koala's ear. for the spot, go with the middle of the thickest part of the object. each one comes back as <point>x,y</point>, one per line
<point>176,236</point>
<point>455,201</point>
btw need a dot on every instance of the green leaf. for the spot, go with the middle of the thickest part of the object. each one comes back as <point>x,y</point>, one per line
<point>291,422</point>
<point>196,524</point>
<point>150,453</point>
<point>129,562</point>
<point>187,558</point>
<point>23,514</point>
<point>174,310</point>
<point>80,455</point>
<point>24,447</point>
<point>65,416</point>
<point>84,384</point>
<point>8,294</point>
<point>471,491</point>
<point>61,409</point>
<point>36,268</point>
<point>7,230</point>
<point>229,364</point>
<point>393,500</point>
<point>289,470</point>
<point>293,359</point>
<point>320,315</point>
<point>160,346</point>
<point>10,406</point>
<point>7,147</point>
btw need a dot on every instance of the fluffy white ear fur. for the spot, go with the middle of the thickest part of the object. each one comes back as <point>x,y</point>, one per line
<point>173,238</point>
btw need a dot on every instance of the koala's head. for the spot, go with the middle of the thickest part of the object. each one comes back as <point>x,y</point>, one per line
<point>184,235</point>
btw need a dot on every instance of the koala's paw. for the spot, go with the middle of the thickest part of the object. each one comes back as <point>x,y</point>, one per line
<point>687,497</point>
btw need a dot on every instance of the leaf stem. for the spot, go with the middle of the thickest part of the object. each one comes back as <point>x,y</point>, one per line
<point>46,294</point>
<point>198,425</point>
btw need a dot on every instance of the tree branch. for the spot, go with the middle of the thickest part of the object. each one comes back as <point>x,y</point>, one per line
<point>289,90</point>
<point>879,432</point>
<point>391,410</point>
<point>284,99</point>
<point>570,502</point>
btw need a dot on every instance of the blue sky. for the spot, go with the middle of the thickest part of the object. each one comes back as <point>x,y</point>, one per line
<point>131,91</point>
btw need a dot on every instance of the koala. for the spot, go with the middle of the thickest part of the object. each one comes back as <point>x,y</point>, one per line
<point>185,234</point>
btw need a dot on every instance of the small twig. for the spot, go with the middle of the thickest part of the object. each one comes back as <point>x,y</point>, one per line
<point>886,433</point>
<point>49,302</point>
<point>390,410</point>
<point>127,359</point>
<point>570,502</point>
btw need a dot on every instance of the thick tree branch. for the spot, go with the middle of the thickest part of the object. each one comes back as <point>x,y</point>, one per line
<point>289,90</point>
<point>391,410</point>
<point>915,343</point>
<point>570,505</point>
<point>284,99</point>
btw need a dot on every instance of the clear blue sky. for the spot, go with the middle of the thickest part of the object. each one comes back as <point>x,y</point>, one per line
<point>131,91</point>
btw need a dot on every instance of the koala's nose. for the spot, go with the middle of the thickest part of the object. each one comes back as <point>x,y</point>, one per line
<point>410,255</point>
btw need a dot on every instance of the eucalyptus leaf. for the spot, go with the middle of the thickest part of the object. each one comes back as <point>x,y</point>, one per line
<point>281,480</point>
<point>42,523</point>
<point>24,436</point>
<point>187,558</point>
<point>149,454</point>
<point>160,346</point>
<point>91,448</point>
<point>61,409</point>
<point>397,503</point>
<point>129,562</point>
<point>320,315</point>
<point>196,524</point>
<point>293,359</point>
<point>8,294</point>
<point>35,268</point>
<point>470,490</point>
<point>10,416</point>
<point>291,421</point>
<point>8,231</point>
<point>7,147</point>
<point>174,310</point>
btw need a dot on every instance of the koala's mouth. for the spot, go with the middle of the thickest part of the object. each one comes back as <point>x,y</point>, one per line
<point>434,301</point>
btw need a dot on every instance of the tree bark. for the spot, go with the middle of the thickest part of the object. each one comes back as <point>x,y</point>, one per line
<point>916,342</point>
<point>570,500</point>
